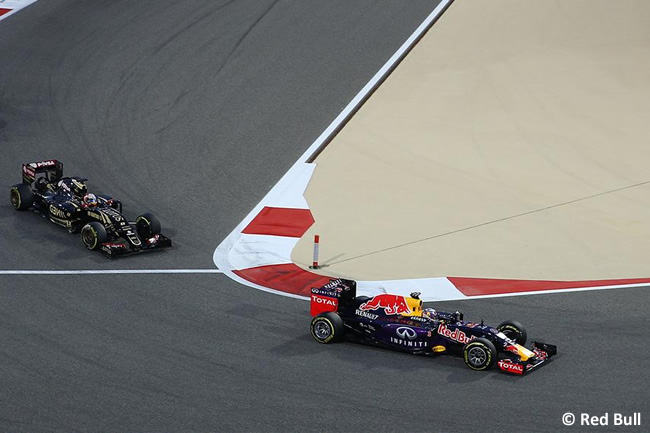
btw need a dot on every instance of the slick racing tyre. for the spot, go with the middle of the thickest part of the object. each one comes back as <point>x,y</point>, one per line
<point>93,235</point>
<point>480,354</point>
<point>21,196</point>
<point>514,331</point>
<point>327,327</point>
<point>147,225</point>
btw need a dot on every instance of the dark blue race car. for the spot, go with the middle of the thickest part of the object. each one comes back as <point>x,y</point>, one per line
<point>401,322</point>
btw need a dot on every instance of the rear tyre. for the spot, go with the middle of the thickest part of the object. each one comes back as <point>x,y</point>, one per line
<point>93,235</point>
<point>327,327</point>
<point>21,196</point>
<point>514,331</point>
<point>147,225</point>
<point>479,354</point>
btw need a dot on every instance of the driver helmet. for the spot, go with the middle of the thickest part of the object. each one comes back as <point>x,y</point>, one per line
<point>90,200</point>
<point>429,313</point>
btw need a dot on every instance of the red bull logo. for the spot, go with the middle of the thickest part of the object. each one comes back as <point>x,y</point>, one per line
<point>511,348</point>
<point>456,334</point>
<point>391,304</point>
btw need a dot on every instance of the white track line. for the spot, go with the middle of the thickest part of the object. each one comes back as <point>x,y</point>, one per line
<point>221,256</point>
<point>110,271</point>
<point>382,74</point>
<point>554,291</point>
<point>14,6</point>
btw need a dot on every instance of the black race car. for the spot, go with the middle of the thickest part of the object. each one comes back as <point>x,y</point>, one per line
<point>66,202</point>
<point>401,322</point>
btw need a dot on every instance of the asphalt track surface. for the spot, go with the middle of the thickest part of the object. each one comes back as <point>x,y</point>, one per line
<point>193,110</point>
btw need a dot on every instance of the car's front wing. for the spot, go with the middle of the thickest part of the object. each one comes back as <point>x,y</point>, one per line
<point>120,249</point>
<point>543,353</point>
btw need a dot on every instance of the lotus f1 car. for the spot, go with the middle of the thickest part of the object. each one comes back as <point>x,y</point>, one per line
<point>400,322</point>
<point>100,220</point>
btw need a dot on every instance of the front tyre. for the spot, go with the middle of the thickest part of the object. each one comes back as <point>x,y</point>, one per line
<point>479,354</point>
<point>327,327</point>
<point>147,225</point>
<point>21,196</point>
<point>93,235</point>
<point>514,331</point>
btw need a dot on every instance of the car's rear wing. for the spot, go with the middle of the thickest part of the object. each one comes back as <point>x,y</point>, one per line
<point>52,169</point>
<point>332,296</point>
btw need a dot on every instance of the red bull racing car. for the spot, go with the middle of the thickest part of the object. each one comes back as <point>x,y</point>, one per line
<point>65,201</point>
<point>401,322</point>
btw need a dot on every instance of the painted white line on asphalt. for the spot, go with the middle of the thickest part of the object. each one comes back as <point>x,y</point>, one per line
<point>252,251</point>
<point>382,74</point>
<point>109,271</point>
<point>287,189</point>
<point>554,291</point>
<point>13,6</point>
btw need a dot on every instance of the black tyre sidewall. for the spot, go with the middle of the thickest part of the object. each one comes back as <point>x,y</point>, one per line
<point>320,319</point>
<point>335,324</point>
<point>24,195</point>
<point>490,352</point>
<point>147,225</point>
<point>98,234</point>
<point>511,327</point>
